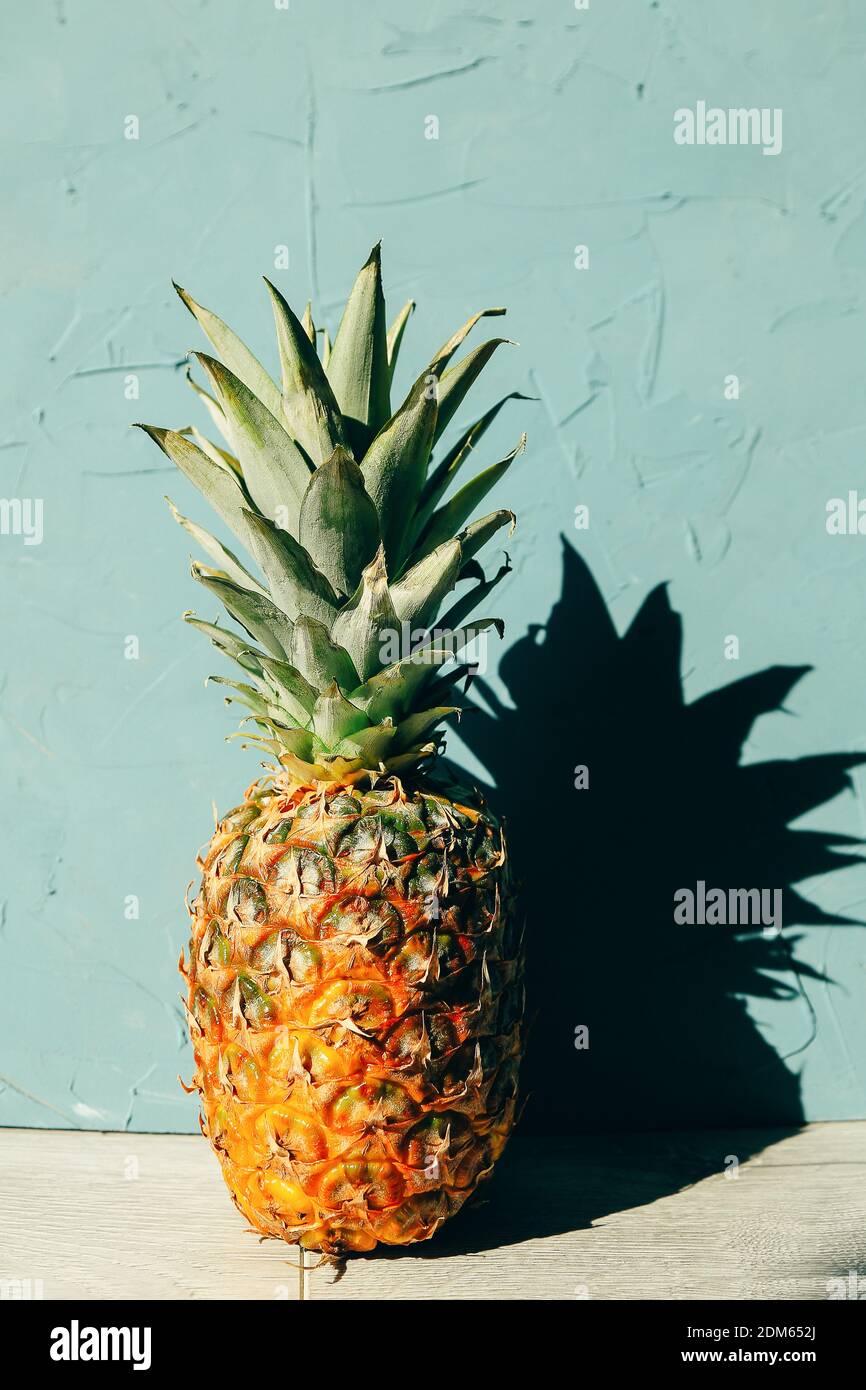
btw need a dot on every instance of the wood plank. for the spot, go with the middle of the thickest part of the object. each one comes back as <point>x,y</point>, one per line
<point>121,1216</point>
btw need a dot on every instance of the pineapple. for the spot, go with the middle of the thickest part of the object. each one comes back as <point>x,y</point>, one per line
<point>355,972</point>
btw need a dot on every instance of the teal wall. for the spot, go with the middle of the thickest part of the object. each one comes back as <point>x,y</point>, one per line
<point>260,127</point>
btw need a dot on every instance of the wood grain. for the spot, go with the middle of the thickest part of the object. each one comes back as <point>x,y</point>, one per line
<point>120,1216</point>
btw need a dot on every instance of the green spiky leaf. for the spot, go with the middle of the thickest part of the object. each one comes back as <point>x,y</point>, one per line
<point>308,403</point>
<point>444,473</point>
<point>296,585</point>
<point>420,591</point>
<point>478,533</point>
<point>211,405</point>
<point>367,619</point>
<point>274,469</point>
<point>339,525</point>
<point>318,658</point>
<point>290,687</point>
<point>228,643</point>
<point>214,482</point>
<point>452,514</point>
<point>395,336</point>
<point>234,353</point>
<point>395,465</point>
<point>393,689</point>
<point>372,744</point>
<point>298,742</point>
<point>468,602</point>
<point>326,348</point>
<point>246,695</point>
<point>358,365</point>
<point>225,559</point>
<point>410,731</point>
<point>334,717</point>
<point>213,451</point>
<point>448,348</point>
<point>256,614</point>
<point>457,380</point>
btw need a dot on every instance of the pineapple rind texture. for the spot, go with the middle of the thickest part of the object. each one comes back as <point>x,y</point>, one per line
<point>355,1000</point>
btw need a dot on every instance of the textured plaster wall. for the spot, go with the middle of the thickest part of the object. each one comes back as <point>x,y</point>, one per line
<point>306,127</point>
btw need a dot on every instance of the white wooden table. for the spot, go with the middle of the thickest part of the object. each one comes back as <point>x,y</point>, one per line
<point>116,1216</point>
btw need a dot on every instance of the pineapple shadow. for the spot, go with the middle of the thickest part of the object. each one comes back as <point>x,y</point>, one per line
<point>672,1046</point>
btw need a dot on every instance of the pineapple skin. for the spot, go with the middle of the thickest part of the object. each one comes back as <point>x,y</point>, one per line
<point>355,997</point>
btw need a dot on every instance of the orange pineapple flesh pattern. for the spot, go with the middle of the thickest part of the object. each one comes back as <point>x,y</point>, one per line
<point>355,998</point>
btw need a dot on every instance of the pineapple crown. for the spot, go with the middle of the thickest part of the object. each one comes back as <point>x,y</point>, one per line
<point>343,511</point>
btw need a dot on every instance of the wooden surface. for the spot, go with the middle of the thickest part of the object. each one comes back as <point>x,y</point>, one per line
<point>639,1216</point>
